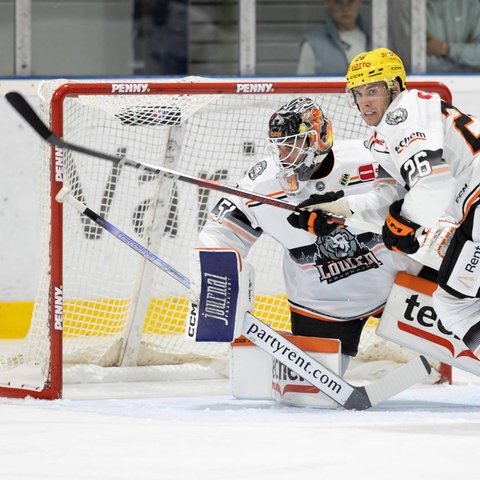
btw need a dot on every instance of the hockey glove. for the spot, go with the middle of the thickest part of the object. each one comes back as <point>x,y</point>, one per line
<point>399,233</point>
<point>313,222</point>
<point>311,216</point>
<point>331,202</point>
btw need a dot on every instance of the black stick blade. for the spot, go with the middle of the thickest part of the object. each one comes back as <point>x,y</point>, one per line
<point>18,102</point>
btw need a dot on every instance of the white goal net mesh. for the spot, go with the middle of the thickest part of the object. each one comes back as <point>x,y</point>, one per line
<point>118,308</point>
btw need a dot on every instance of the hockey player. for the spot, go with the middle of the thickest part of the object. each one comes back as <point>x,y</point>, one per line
<point>335,278</point>
<point>429,163</point>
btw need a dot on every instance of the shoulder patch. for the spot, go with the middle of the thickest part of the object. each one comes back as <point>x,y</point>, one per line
<point>257,169</point>
<point>399,115</point>
<point>366,172</point>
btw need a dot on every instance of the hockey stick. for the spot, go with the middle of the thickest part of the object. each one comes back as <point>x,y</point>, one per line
<point>19,103</point>
<point>334,386</point>
<point>64,195</point>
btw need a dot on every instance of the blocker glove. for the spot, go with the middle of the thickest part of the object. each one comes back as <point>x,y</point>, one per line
<point>315,220</point>
<point>399,233</point>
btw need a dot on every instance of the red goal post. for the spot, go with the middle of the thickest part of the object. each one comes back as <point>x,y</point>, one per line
<point>99,304</point>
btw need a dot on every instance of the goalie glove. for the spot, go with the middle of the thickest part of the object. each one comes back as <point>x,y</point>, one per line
<point>312,216</point>
<point>398,233</point>
<point>315,223</point>
<point>330,202</point>
<point>221,288</point>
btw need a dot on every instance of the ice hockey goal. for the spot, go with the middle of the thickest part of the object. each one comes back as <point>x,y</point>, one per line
<point>116,308</point>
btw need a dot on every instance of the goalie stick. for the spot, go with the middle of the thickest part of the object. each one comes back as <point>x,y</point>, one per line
<point>334,386</point>
<point>19,103</point>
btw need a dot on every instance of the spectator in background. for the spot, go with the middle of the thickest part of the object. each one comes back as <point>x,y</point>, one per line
<point>453,35</point>
<point>160,37</point>
<point>329,48</point>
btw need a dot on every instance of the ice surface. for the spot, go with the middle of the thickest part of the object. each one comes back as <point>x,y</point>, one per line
<point>195,430</point>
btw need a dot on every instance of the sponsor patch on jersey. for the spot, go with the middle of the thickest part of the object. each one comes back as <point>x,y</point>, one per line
<point>408,140</point>
<point>344,179</point>
<point>399,115</point>
<point>366,172</point>
<point>257,169</point>
<point>377,144</point>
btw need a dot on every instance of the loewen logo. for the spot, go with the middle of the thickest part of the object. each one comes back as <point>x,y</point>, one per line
<point>255,87</point>
<point>129,87</point>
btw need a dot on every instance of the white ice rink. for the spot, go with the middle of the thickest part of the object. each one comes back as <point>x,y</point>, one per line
<point>189,430</point>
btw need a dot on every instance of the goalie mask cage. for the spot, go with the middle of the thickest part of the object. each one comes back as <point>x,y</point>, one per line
<point>98,301</point>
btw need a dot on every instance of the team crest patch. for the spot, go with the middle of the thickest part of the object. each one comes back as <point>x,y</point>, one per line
<point>399,115</point>
<point>340,255</point>
<point>320,186</point>
<point>257,169</point>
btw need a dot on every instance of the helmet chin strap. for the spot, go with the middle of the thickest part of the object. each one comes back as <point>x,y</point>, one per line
<point>395,88</point>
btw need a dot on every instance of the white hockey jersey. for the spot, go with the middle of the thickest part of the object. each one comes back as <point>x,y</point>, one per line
<point>433,150</point>
<point>343,276</point>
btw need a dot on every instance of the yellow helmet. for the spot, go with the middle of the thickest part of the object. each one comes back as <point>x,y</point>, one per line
<point>376,66</point>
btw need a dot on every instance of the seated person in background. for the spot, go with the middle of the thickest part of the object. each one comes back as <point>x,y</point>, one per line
<point>329,48</point>
<point>453,36</point>
<point>335,279</point>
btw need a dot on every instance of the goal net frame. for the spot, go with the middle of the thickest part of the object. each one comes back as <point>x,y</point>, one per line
<point>53,307</point>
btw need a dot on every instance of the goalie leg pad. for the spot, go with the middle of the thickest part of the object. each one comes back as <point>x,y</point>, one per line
<point>290,388</point>
<point>254,374</point>
<point>409,319</point>
<point>250,371</point>
<point>222,291</point>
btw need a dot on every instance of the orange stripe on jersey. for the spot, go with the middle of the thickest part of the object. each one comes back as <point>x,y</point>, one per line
<point>441,169</point>
<point>381,181</point>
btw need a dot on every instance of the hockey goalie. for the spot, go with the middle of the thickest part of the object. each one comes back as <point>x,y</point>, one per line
<point>335,279</point>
